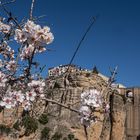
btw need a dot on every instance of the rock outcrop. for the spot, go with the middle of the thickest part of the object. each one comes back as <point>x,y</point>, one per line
<point>65,124</point>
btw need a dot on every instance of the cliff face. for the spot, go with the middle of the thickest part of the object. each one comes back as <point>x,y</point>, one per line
<point>111,126</point>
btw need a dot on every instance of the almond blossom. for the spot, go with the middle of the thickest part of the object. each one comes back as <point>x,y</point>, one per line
<point>30,95</point>
<point>4,28</point>
<point>27,52</point>
<point>26,105</point>
<point>37,85</point>
<point>20,36</point>
<point>11,65</point>
<point>19,97</point>
<point>17,87</point>
<point>35,36</point>
<point>6,50</point>
<point>85,115</point>
<point>90,100</point>
<point>3,79</point>
<point>7,102</point>
<point>12,99</point>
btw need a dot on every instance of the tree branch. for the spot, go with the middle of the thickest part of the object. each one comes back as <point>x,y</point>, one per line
<point>31,10</point>
<point>60,104</point>
<point>9,2</point>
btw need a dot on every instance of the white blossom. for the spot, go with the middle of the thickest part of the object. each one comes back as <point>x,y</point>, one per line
<point>90,99</point>
<point>7,102</point>
<point>3,79</point>
<point>30,95</point>
<point>26,105</point>
<point>4,28</point>
<point>11,66</point>
<point>37,85</point>
<point>35,36</point>
<point>17,89</point>
<point>19,96</point>
<point>27,52</point>
<point>85,110</point>
<point>20,36</point>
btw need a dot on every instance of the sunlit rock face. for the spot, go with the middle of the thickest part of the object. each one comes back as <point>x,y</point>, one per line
<point>68,92</point>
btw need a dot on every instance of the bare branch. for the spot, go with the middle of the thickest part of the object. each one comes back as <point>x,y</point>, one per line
<point>60,104</point>
<point>110,81</point>
<point>9,2</point>
<point>113,74</point>
<point>37,18</point>
<point>12,18</point>
<point>31,10</point>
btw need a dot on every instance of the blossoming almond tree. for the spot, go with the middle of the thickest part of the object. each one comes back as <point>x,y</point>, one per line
<point>18,83</point>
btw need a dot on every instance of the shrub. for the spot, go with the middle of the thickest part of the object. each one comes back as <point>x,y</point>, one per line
<point>45,133</point>
<point>16,125</point>
<point>57,136</point>
<point>30,125</point>
<point>70,136</point>
<point>4,129</point>
<point>43,119</point>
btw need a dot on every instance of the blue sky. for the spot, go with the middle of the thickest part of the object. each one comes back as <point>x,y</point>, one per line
<point>113,40</point>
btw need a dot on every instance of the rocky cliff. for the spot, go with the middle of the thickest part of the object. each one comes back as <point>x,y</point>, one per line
<point>54,122</point>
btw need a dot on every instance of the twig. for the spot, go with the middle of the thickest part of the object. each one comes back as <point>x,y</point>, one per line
<point>12,18</point>
<point>9,2</point>
<point>60,104</point>
<point>18,25</point>
<point>113,74</point>
<point>85,130</point>
<point>30,61</point>
<point>79,44</point>
<point>110,81</point>
<point>36,18</point>
<point>31,10</point>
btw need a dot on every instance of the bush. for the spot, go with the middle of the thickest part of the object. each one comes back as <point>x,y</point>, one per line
<point>16,125</point>
<point>88,74</point>
<point>30,125</point>
<point>57,136</point>
<point>4,129</point>
<point>45,133</point>
<point>43,119</point>
<point>70,136</point>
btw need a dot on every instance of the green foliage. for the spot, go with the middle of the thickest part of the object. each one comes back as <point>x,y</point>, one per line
<point>57,136</point>
<point>70,136</point>
<point>16,125</point>
<point>1,108</point>
<point>4,129</point>
<point>45,133</point>
<point>30,124</point>
<point>43,119</point>
<point>88,74</point>
<point>95,70</point>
